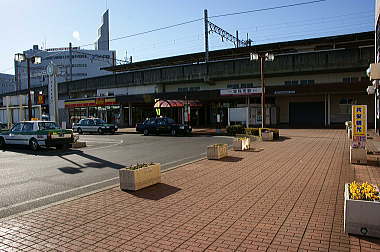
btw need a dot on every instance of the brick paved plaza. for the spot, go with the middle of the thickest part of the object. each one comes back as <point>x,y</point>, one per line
<point>287,197</point>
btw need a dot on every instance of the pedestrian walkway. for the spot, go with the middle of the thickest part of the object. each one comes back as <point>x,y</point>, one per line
<point>288,197</point>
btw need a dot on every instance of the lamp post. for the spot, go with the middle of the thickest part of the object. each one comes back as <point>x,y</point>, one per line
<point>20,57</point>
<point>262,57</point>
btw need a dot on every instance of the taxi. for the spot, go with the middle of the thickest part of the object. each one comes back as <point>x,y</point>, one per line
<point>36,134</point>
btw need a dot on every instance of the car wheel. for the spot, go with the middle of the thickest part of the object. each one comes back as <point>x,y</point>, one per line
<point>173,132</point>
<point>80,131</point>
<point>113,132</point>
<point>146,132</point>
<point>2,143</point>
<point>100,131</point>
<point>34,144</point>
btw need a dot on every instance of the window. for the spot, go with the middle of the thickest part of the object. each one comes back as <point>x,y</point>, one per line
<point>170,121</point>
<point>195,89</point>
<point>232,85</point>
<point>17,127</point>
<point>307,82</point>
<point>183,89</point>
<point>247,85</point>
<point>345,105</point>
<point>47,125</point>
<point>350,79</point>
<point>28,127</point>
<point>99,121</point>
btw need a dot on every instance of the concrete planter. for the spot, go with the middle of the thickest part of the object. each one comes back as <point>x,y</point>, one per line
<point>134,180</point>
<point>267,136</point>
<point>361,217</point>
<point>217,151</point>
<point>241,144</point>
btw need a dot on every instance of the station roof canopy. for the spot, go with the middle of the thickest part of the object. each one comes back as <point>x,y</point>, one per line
<point>297,46</point>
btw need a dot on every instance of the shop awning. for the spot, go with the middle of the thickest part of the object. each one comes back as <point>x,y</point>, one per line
<point>176,103</point>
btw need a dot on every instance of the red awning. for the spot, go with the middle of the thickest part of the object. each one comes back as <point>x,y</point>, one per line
<point>176,103</point>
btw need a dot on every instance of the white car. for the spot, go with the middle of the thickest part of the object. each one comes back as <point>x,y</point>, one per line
<point>36,134</point>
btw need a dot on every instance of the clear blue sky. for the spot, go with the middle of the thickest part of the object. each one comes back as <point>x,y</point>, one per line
<point>27,22</point>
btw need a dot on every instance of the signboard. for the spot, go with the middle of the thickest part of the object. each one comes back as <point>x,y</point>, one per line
<point>100,101</point>
<point>359,126</point>
<point>240,91</point>
<point>40,99</point>
<point>284,92</point>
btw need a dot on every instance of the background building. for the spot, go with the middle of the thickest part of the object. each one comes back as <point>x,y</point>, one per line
<point>103,42</point>
<point>84,64</point>
<point>7,83</point>
<point>310,83</point>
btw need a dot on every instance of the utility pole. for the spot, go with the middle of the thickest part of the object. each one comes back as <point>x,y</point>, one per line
<point>206,35</point>
<point>71,61</point>
<point>29,95</point>
<point>262,92</point>
<point>237,39</point>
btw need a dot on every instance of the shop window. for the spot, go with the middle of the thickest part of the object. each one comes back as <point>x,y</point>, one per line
<point>183,90</point>
<point>195,89</point>
<point>345,105</point>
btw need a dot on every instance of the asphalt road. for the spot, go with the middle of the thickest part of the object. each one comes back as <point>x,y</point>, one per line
<point>29,180</point>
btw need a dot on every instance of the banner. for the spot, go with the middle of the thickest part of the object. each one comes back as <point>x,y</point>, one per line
<point>359,126</point>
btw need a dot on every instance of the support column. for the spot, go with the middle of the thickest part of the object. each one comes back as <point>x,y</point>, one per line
<point>328,110</point>
<point>248,105</point>
<point>130,115</point>
<point>325,98</point>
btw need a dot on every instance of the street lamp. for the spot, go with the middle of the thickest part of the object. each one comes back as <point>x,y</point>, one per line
<point>20,57</point>
<point>262,57</point>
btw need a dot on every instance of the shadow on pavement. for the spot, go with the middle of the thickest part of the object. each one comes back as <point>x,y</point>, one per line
<point>155,192</point>
<point>97,163</point>
<point>230,159</point>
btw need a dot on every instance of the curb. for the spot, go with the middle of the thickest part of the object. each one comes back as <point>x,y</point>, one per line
<point>86,194</point>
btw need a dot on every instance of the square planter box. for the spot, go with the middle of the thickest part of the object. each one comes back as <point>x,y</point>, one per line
<point>134,180</point>
<point>217,151</point>
<point>241,144</point>
<point>361,217</point>
<point>267,136</point>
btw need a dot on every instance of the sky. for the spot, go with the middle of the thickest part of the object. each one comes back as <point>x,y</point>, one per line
<point>55,23</point>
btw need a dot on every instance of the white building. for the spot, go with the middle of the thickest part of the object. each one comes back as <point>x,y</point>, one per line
<point>7,83</point>
<point>103,42</point>
<point>84,64</point>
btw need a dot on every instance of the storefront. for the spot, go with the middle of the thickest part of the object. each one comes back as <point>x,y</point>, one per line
<point>105,108</point>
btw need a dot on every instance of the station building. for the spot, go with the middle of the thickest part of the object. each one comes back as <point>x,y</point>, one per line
<point>310,83</point>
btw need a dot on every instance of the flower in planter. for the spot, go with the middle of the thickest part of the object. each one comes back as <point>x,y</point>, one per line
<point>139,166</point>
<point>364,191</point>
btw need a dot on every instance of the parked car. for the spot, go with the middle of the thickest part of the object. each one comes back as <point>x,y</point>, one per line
<point>162,125</point>
<point>37,134</point>
<point>3,127</point>
<point>94,125</point>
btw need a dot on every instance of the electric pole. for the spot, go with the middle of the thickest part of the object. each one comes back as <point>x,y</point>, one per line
<point>206,35</point>
<point>71,61</point>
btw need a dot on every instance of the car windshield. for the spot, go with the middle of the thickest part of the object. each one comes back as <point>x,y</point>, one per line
<point>99,121</point>
<point>47,125</point>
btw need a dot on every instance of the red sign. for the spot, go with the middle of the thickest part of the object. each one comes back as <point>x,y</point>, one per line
<point>40,99</point>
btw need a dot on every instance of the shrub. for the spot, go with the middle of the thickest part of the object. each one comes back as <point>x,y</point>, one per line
<point>252,131</point>
<point>235,129</point>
